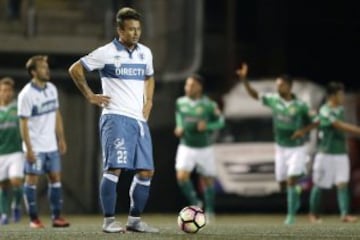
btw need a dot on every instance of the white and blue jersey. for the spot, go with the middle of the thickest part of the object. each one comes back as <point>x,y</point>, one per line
<point>125,136</point>
<point>39,105</point>
<point>122,73</point>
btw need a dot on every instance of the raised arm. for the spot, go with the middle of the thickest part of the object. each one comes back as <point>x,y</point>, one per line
<point>77,74</point>
<point>242,74</point>
<point>148,98</point>
<point>346,127</point>
<point>301,132</point>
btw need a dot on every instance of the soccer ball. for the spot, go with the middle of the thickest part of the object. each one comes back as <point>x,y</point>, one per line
<point>191,219</point>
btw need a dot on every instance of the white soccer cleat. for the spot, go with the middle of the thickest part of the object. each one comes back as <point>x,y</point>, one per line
<point>139,226</point>
<point>112,227</point>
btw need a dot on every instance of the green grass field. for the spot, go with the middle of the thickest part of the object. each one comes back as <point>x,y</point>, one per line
<point>226,227</point>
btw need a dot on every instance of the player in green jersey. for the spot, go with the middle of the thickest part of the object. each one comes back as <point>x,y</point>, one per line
<point>11,156</point>
<point>196,118</point>
<point>331,164</point>
<point>289,114</point>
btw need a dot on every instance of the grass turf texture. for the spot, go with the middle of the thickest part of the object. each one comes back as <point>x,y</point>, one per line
<point>226,227</point>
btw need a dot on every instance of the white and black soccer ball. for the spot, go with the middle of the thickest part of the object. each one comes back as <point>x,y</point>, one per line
<point>191,219</point>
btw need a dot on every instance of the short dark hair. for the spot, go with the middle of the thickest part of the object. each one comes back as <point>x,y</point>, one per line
<point>7,81</point>
<point>286,78</point>
<point>333,88</point>
<point>126,13</point>
<point>200,79</point>
<point>31,63</point>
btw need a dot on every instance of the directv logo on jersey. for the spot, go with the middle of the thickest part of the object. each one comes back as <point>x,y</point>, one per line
<point>130,71</point>
<point>45,107</point>
<point>124,71</point>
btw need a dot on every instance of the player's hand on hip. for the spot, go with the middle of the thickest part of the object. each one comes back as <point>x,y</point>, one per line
<point>30,156</point>
<point>100,100</point>
<point>201,126</point>
<point>62,146</point>
<point>147,109</point>
<point>178,132</point>
<point>242,71</point>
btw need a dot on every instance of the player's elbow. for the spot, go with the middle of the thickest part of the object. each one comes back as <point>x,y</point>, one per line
<point>74,68</point>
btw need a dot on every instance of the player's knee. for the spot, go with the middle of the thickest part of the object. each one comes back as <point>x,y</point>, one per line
<point>145,174</point>
<point>342,185</point>
<point>182,176</point>
<point>31,179</point>
<point>16,182</point>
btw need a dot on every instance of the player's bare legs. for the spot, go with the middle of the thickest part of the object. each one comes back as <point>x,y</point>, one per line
<point>343,201</point>
<point>139,194</point>
<point>187,187</point>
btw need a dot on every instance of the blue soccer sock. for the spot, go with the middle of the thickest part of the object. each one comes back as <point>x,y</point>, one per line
<point>139,194</point>
<point>30,200</point>
<point>55,199</point>
<point>108,194</point>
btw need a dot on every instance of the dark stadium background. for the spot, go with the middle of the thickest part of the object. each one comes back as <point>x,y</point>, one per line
<point>316,40</point>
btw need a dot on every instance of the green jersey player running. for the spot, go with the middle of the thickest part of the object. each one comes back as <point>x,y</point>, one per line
<point>196,118</point>
<point>11,156</point>
<point>331,165</point>
<point>289,114</point>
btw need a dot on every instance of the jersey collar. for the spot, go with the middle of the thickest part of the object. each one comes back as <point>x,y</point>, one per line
<point>33,85</point>
<point>120,47</point>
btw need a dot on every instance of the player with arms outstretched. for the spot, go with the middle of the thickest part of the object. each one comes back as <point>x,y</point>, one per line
<point>197,117</point>
<point>126,71</point>
<point>289,115</point>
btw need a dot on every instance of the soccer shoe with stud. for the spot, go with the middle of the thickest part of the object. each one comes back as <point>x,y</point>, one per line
<point>314,219</point>
<point>36,224</point>
<point>112,227</point>
<point>139,226</point>
<point>60,222</point>
<point>349,219</point>
<point>16,214</point>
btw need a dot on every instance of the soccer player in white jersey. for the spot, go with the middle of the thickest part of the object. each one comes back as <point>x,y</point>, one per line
<point>126,72</point>
<point>11,156</point>
<point>42,132</point>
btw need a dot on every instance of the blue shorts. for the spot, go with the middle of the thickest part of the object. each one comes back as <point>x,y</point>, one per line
<point>126,143</point>
<point>46,162</point>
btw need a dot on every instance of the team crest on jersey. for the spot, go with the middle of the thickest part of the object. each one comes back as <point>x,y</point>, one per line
<point>292,110</point>
<point>141,56</point>
<point>199,110</point>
